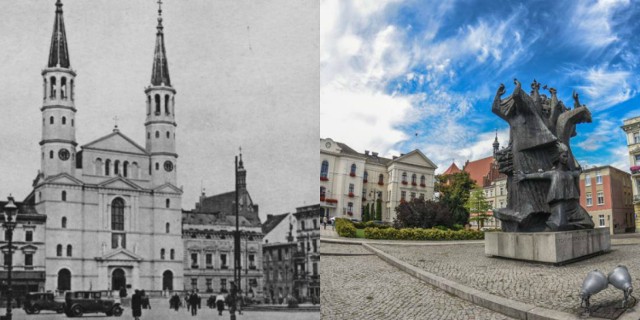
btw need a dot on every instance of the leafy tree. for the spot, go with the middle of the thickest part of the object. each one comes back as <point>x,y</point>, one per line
<point>454,193</point>
<point>478,206</point>
<point>421,213</point>
<point>378,209</point>
<point>365,213</point>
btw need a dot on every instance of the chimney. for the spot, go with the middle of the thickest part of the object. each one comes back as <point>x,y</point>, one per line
<point>366,152</point>
<point>395,157</point>
<point>374,154</point>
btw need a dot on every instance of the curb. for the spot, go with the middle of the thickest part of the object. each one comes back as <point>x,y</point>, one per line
<point>512,308</point>
<point>400,242</point>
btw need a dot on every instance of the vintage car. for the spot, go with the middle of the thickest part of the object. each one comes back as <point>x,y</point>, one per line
<point>77,303</point>
<point>36,301</point>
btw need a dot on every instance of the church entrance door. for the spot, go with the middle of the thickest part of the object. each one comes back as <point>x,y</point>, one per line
<point>118,279</point>
<point>64,280</point>
<point>167,280</point>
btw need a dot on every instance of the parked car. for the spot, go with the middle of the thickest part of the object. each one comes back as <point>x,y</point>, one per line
<point>77,303</point>
<point>34,302</point>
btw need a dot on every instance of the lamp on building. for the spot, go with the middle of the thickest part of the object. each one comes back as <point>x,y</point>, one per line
<point>10,210</point>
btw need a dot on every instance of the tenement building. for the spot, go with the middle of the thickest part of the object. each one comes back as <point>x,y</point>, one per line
<point>307,257</point>
<point>351,181</point>
<point>278,249</point>
<point>631,128</point>
<point>112,205</point>
<point>208,235</point>
<point>606,193</point>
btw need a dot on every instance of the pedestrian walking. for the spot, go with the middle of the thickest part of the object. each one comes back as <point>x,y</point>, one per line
<point>324,222</point>
<point>193,301</point>
<point>145,300</point>
<point>174,302</point>
<point>333,225</point>
<point>136,305</point>
<point>186,301</point>
<point>220,303</point>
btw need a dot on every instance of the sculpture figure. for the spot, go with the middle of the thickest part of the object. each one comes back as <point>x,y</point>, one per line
<point>621,279</point>
<point>540,130</point>
<point>595,282</point>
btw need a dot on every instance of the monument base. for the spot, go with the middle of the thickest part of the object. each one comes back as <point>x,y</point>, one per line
<point>550,247</point>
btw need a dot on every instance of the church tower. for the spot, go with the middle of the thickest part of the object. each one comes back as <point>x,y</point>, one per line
<point>496,145</point>
<point>160,122</point>
<point>58,144</point>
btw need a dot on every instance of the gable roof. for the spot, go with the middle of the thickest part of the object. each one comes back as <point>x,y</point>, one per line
<point>272,222</point>
<point>106,143</point>
<point>478,169</point>
<point>64,178</point>
<point>224,204</point>
<point>120,254</point>
<point>120,183</point>
<point>416,152</point>
<point>453,168</point>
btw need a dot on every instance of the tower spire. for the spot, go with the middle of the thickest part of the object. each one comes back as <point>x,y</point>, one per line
<point>58,54</point>
<point>160,72</point>
<point>496,144</point>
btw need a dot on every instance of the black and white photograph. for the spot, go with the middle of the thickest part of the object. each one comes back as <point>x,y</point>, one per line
<point>159,159</point>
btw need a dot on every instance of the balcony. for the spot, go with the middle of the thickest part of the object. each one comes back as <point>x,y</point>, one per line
<point>414,184</point>
<point>351,195</point>
<point>352,174</point>
<point>635,169</point>
<point>404,183</point>
<point>324,179</point>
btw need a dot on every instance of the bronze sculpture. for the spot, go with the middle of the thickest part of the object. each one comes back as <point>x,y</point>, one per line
<point>542,173</point>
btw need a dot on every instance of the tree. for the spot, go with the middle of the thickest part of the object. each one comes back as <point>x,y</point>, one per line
<point>421,213</point>
<point>379,209</point>
<point>365,213</point>
<point>454,192</point>
<point>478,206</point>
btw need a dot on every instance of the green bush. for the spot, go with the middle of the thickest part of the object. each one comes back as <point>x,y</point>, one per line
<point>421,234</point>
<point>457,227</point>
<point>345,228</point>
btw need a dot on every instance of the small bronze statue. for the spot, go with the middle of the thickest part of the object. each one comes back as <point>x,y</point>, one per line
<point>621,279</point>
<point>595,282</point>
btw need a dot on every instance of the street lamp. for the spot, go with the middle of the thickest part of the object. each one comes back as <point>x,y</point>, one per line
<point>10,211</point>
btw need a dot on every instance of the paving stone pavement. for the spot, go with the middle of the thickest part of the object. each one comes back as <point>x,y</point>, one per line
<point>365,287</point>
<point>539,284</point>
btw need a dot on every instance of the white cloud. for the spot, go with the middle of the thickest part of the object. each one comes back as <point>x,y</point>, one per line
<point>593,22</point>
<point>606,130</point>
<point>606,88</point>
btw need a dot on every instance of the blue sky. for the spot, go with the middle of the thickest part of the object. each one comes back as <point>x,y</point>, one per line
<point>400,75</point>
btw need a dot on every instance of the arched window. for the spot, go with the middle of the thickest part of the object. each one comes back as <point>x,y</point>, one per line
<point>381,179</point>
<point>422,181</point>
<point>44,87</point>
<point>148,135</point>
<point>125,168</point>
<point>117,214</point>
<point>157,104</point>
<point>366,176</point>
<point>64,120</point>
<point>166,104</point>
<point>135,173</point>
<point>63,88</point>
<point>64,195</point>
<point>51,120</point>
<point>414,179</point>
<point>353,170</point>
<point>69,250</point>
<point>98,167</point>
<point>51,154</point>
<point>324,170</point>
<point>64,222</point>
<point>52,89</point>
<point>157,166</point>
<point>167,203</point>
<point>162,253</point>
<point>168,135</point>
<point>323,192</point>
<point>167,227</point>
<point>148,105</point>
<point>116,167</point>
<point>172,254</point>
<point>72,122</point>
<point>173,105</point>
<point>404,178</point>
<point>71,89</point>
<point>107,163</point>
<point>59,251</point>
<point>157,134</point>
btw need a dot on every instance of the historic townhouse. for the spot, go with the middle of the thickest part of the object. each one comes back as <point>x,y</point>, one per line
<point>631,128</point>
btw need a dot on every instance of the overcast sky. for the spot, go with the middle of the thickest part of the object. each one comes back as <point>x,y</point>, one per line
<point>246,74</point>
<point>400,75</point>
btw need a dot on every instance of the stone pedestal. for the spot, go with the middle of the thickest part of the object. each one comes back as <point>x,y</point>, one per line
<point>549,247</point>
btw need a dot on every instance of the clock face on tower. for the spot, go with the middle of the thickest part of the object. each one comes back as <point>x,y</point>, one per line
<point>168,166</point>
<point>63,154</point>
<point>328,145</point>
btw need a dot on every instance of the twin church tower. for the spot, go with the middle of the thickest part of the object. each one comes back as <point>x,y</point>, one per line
<point>58,144</point>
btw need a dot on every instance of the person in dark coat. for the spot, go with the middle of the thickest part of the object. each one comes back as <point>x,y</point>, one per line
<point>145,300</point>
<point>220,304</point>
<point>193,301</point>
<point>123,292</point>
<point>136,305</point>
<point>174,302</point>
<point>211,302</point>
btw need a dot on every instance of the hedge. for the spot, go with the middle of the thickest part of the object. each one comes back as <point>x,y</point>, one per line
<point>345,228</point>
<point>370,224</point>
<point>422,234</point>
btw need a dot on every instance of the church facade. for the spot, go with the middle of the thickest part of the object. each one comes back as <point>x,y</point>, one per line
<point>112,205</point>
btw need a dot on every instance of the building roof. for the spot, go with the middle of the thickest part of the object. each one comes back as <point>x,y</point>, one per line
<point>478,169</point>
<point>224,205</point>
<point>610,167</point>
<point>272,222</point>
<point>58,53</point>
<point>452,169</point>
<point>160,72</point>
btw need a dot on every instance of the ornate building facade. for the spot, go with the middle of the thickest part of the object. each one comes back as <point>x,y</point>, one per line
<point>112,206</point>
<point>631,128</point>
<point>307,257</point>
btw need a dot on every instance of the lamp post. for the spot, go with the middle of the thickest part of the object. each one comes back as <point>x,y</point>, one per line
<point>10,210</point>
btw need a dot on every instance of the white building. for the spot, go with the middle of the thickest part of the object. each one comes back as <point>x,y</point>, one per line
<point>350,180</point>
<point>112,206</point>
<point>631,128</point>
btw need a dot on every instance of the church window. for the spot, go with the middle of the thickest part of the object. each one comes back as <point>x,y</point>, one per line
<point>28,236</point>
<point>157,166</point>
<point>63,88</point>
<point>148,135</point>
<point>59,250</point>
<point>64,195</point>
<point>64,222</point>
<point>64,120</point>
<point>167,226</point>
<point>324,169</point>
<point>157,104</point>
<point>125,168</point>
<point>166,104</point>
<point>162,253</point>
<point>167,203</point>
<point>51,120</point>
<point>172,254</point>
<point>168,135</point>
<point>72,122</point>
<point>134,170</point>
<point>52,89</point>
<point>116,167</point>
<point>173,105</point>
<point>107,164</point>
<point>51,154</point>
<point>117,214</point>
<point>157,134</point>
<point>98,166</point>
<point>71,89</point>
<point>43,155</point>
<point>69,250</point>
<point>44,88</point>
<point>148,105</point>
